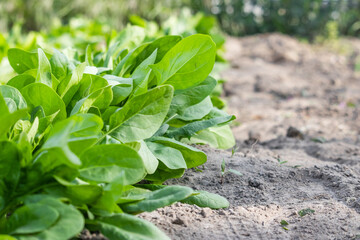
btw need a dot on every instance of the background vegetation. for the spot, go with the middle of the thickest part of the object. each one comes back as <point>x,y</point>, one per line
<point>306,18</point>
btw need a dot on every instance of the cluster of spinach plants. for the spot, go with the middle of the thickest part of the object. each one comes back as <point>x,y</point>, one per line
<point>87,139</point>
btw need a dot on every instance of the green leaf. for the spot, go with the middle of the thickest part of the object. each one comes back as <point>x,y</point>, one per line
<point>121,88</point>
<point>183,99</point>
<point>143,69</point>
<point>38,94</point>
<point>149,160</point>
<point>217,137</point>
<point>235,172</point>
<point>197,111</point>
<point>6,237</point>
<point>7,120</point>
<point>78,193</point>
<point>193,157</point>
<point>190,129</point>
<point>125,226</point>
<point>31,218</point>
<point>59,65</point>
<point>21,60</point>
<point>101,98</point>
<point>44,71</point>
<point>69,224</point>
<point>106,204</point>
<point>132,195</point>
<point>12,95</point>
<point>85,131</point>
<point>21,81</point>
<point>73,136</point>
<point>129,62</point>
<point>163,173</point>
<point>188,63</point>
<point>163,153</point>
<point>68,88</point>
<point>206,199</point>
<point>284,223</point>
<point>159,198</point>
<point>162,45</point>
<point>142,115</point>
<point>10,158</point>
<point>93,91</point>
<point>106,163</point>
<point>88,56</point>
<point>305,211</point>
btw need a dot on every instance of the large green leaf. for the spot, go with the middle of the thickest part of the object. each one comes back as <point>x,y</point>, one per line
<point>125,227</point>
<point>183,99</point>
<point>159,198</point>
<point>77,191</point>
<point>21,81</point>
<point>31,218</point>
<point>162,45</point>
<point>106,163</point>
<point>21,60</point>
<point>188,63</point>
<point>69,224</point>
<point>206,199</point>
<point>38,94</point>
<point>73,135</point>
<point>171,157</point>
<point>193,157</point>
<point>197,111</point>
<point>142,115</point>
<point>217,137</point>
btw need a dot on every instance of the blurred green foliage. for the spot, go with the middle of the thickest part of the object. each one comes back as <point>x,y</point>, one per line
<point>303,18</point>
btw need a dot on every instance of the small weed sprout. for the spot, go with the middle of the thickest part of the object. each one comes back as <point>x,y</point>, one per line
<point>224,171</point>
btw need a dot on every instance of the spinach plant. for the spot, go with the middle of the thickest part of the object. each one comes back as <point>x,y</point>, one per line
<point>78,132</point>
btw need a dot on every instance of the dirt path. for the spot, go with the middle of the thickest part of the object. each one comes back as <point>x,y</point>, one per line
<point>276,83</point>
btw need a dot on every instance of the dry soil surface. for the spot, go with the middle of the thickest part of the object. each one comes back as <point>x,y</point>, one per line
<point>298,133</point>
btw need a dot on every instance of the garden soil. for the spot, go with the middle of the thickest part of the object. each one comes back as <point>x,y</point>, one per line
<point>298,138</point>
<point>298,133</point>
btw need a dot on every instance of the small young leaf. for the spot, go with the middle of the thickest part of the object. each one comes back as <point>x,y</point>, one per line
<point>305,211</point>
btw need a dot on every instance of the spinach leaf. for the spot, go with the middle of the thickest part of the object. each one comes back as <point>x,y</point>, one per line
<point>188,63</point>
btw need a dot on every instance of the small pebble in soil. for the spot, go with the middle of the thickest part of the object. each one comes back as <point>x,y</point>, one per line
<point>255,183</point>
<point>206,212</point>
<point>179,221</point>
<point>294,133</point>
